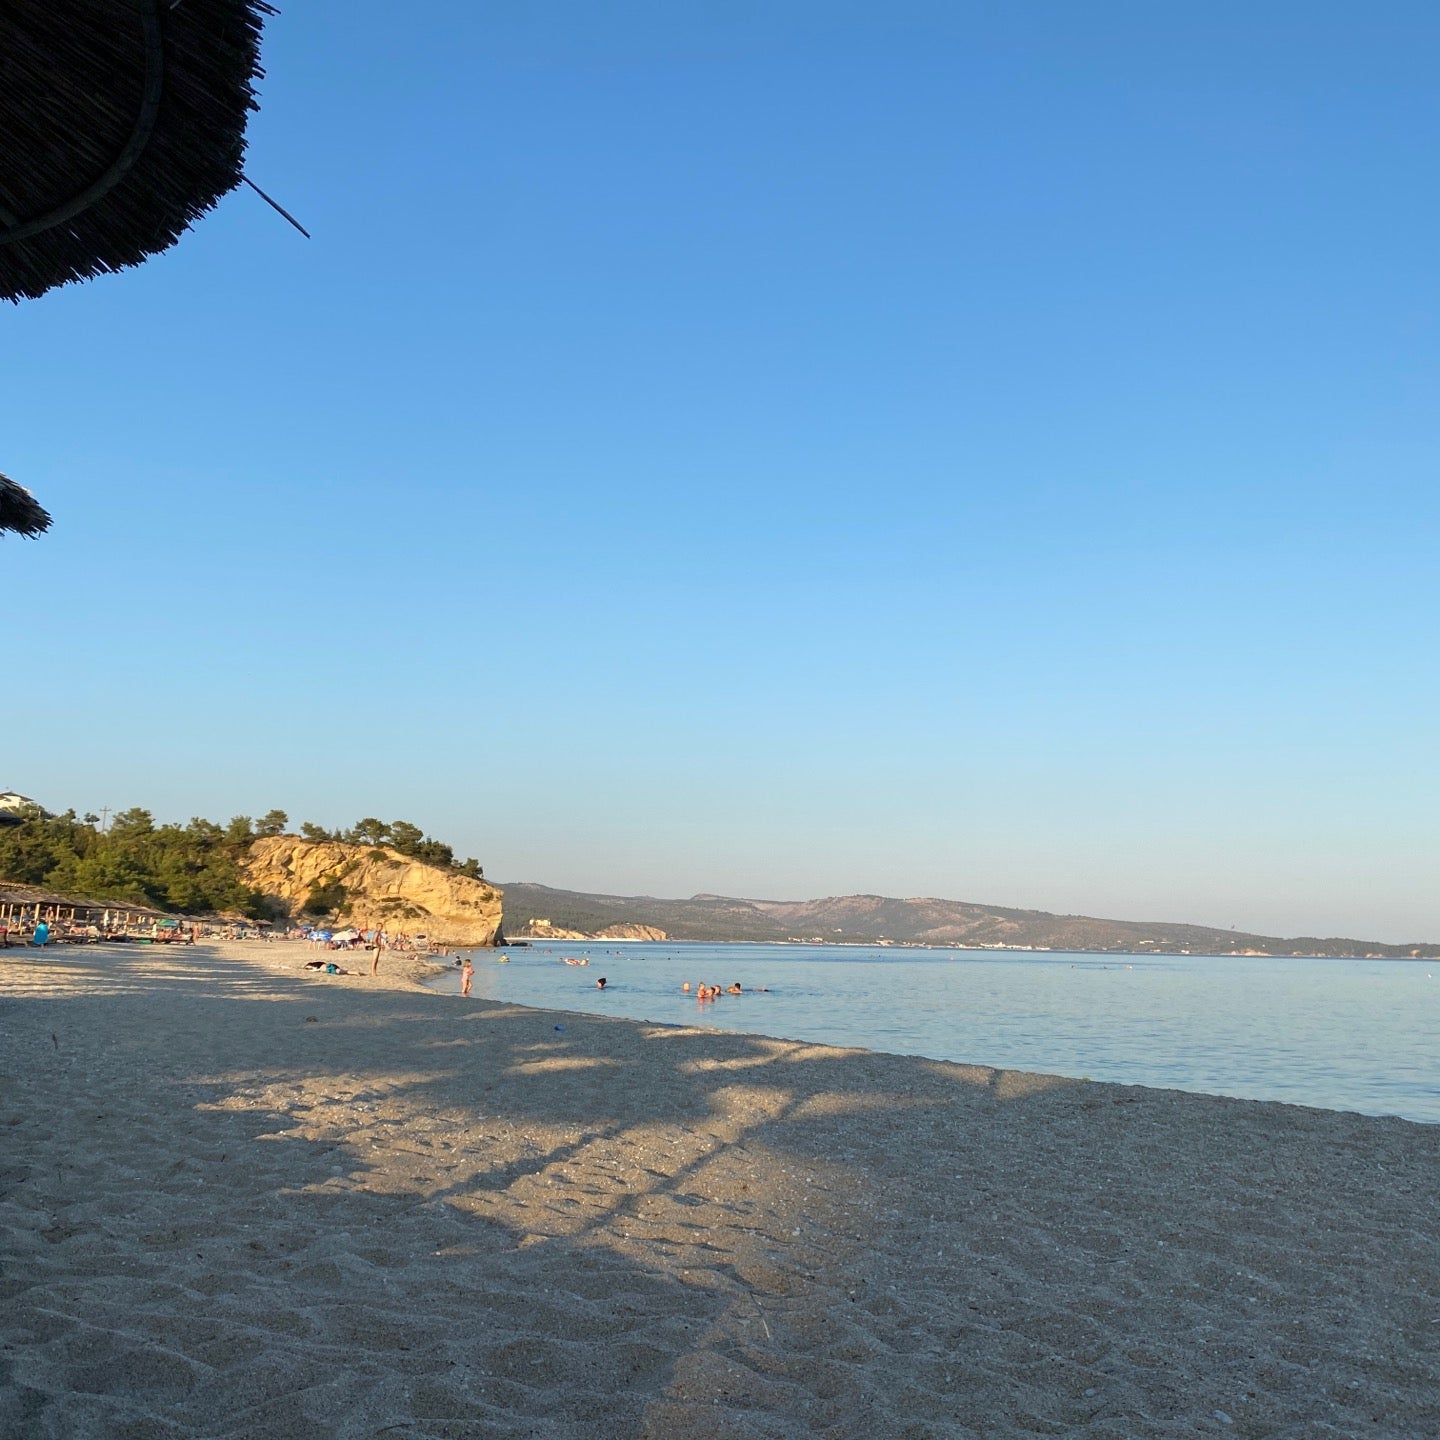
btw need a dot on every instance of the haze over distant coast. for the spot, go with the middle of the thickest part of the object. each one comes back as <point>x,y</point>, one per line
<point>391,873</point>
<point>541,910</point>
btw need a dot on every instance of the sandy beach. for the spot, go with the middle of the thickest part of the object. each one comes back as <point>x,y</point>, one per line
<point>241,1200</point>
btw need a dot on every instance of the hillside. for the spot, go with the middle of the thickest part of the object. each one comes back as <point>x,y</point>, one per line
<point>374,885</point>
<point>872,919</point>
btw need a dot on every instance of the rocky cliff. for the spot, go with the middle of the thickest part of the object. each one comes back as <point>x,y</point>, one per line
<point>372,885</point>
<point>540,928</point>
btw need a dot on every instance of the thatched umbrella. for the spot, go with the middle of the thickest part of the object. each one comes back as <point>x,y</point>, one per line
<point>20,511</point>
<point>123,122</point>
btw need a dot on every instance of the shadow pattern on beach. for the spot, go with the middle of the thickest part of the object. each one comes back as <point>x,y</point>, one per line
<point>243,1202</point>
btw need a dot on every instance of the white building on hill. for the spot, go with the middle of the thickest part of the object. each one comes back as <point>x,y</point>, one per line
<point>15,807</point>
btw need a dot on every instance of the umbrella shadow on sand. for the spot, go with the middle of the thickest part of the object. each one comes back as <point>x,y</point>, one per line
<point>386,1213</point>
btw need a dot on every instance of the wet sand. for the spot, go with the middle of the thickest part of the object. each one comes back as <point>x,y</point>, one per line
<point>240,1200</point>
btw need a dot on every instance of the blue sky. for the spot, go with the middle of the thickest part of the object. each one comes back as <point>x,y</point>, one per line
<point>788,449</point>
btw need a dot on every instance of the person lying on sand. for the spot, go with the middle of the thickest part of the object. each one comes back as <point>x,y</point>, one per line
<point>328,966</point>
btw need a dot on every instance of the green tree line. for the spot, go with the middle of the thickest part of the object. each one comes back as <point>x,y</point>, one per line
<point>194,868</point>
<point>398,835</point>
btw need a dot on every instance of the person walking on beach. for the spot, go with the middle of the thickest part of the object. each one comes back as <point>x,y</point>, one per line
<point>467,975</point>
<point>375,961</point>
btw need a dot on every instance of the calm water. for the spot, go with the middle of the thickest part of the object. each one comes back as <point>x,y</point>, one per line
<point>1346,1034</point>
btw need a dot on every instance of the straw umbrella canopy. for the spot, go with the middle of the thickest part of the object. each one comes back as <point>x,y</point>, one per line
<point>20,512</point>
<point>124,122</point>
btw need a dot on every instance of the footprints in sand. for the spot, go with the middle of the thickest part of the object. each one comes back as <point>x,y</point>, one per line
<point>398,1222</point>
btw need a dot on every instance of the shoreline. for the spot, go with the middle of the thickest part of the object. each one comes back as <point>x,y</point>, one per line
<point>1225,1019</point>
<point>444,971</point>
<point>241,1198</point>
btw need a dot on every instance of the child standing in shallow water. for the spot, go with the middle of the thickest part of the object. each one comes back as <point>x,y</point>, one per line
<point>467,974</point>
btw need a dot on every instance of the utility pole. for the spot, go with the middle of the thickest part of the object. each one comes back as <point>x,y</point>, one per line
<point>104,817</point>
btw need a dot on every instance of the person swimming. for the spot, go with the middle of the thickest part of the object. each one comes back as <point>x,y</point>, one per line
<point>686,987</point>
<point>735,989</point>
<point>600,983</point>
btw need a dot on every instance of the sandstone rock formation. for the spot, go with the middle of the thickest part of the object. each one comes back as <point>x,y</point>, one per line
<point>380,887</point>
<point>539,928</point>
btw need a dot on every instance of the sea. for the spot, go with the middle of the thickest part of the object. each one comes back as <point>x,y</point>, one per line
<point>1360,1035</point>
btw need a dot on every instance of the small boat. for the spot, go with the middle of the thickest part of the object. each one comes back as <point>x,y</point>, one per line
<point>577,960</point>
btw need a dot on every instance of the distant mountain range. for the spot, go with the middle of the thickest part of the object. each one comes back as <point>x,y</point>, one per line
<point>879,919</point>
